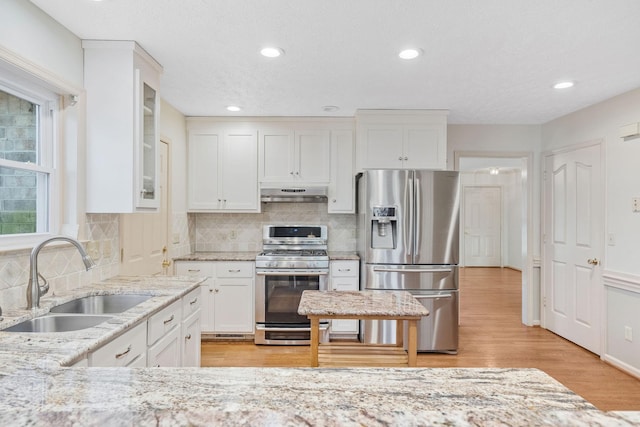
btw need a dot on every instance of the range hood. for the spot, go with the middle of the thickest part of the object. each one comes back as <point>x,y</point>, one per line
<point>294,194</point>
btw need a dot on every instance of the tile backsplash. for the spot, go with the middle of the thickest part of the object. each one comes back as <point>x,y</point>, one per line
<point>62,266</point>
<point>219,232</point>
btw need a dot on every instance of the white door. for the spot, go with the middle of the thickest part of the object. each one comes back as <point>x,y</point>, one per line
<point>482,226</point>
<point>143,236</point>
<point>574,225</point>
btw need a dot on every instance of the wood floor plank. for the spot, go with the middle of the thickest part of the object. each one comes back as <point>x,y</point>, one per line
<point>491,335</point>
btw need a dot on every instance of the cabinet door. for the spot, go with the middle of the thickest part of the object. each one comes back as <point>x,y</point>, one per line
<point>239,171</point>
<point>147,109</point>
<point>383,147</point>
<point>276,154</point>
<point>312,156</point>
<point>202,170</point>
<point>191,341</point>
<point>344,277</point>
<point>342,186</point>
<point>425,147</point>
<point>165,352</point>
<point>233,307</point>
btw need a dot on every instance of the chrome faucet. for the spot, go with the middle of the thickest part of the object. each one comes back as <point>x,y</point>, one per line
<point>34,289</point>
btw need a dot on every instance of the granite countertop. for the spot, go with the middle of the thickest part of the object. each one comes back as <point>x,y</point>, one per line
<point>395,304</point>
<point>251,256</point>
<point>346,256</point>
<point>37,391</point>
<point>294,396</point>
<point>218,256</point>
<point>22,349</point>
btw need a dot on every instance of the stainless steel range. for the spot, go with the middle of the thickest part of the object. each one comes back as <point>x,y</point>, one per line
<point>294,259</point>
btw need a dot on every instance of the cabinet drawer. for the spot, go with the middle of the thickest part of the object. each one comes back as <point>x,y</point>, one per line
<point>344,285</point>
<point>164,321</point>
<point>344,268</point>
<point>235,269</point>
<point>123,350</point>
<point>191,302</point>
<point>194,268</point>
<point>166,352</point>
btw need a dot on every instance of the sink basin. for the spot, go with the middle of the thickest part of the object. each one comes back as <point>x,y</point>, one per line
<point>101,304</point>
<point>57,323</point>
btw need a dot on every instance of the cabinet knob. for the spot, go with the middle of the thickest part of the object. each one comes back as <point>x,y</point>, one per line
<point>334,200</point>
<point>406,158</point>
<point>297,173</point>
<point>291,173</point>
<point>400,158</point>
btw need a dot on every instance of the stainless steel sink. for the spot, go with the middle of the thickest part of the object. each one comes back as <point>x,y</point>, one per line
<point>101,304</point>
<point>58,323</point>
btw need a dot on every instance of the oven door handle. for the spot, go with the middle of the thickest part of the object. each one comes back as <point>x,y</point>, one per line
<point>322,327</point>
<point>292,273</point>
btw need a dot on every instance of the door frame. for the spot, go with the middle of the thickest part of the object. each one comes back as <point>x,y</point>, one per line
<point>545,204</point>
<point>530,288</point>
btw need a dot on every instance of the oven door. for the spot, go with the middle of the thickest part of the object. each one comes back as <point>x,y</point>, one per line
<point>278,295</point>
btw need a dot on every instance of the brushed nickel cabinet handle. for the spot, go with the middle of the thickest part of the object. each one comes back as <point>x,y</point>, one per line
<point>169,320</point>
<point>124,353</point>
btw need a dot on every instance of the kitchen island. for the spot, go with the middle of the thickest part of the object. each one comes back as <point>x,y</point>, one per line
<point>400,306</point>
<point>36,390</point>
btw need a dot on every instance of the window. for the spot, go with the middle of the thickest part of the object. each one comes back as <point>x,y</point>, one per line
<point>27,164</point>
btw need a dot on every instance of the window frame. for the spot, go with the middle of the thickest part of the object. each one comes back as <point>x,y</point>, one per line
<point>24,85</point>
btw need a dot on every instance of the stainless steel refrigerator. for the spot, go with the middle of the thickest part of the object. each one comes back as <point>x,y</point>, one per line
<point>407,233</point>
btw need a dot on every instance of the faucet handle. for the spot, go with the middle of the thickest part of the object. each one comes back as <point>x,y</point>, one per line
<point>43,288</point>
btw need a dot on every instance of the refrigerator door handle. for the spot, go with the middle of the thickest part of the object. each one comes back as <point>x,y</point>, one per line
<point>410,270</point>
<point>417,212</point>
<point>410,231</point>
<point>419,297</point>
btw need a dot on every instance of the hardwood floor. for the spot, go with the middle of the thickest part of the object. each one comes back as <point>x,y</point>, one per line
<point>491,335</point>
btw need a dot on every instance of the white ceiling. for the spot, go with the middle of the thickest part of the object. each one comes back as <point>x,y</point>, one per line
<point>487,61</point>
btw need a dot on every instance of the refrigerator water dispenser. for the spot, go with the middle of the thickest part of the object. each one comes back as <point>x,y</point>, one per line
<point>383,227</point>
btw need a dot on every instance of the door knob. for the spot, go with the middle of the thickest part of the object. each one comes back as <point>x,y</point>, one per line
<point>593,261</point>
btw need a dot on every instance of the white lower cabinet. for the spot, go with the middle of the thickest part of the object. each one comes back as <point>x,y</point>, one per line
<point>128,349</point>
<point>190,329</point>
<point>227,294</point>
<point>163,337</point>
<point>344,277</point>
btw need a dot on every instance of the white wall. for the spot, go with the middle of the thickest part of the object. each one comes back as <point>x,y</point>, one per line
<point>621,269</point>
<point>602,121</point>
<point>173,129</point>
<point>29,32</point>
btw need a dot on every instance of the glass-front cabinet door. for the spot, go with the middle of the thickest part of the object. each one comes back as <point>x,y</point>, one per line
<point>148,195</point>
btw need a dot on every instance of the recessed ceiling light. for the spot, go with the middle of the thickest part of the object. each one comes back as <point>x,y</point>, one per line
<point>272,52</point>
<point>563,85</point>
<point>233,108</point>
<point>410,53</point>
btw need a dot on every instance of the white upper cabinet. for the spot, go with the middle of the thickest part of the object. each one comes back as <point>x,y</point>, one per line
<point>222,167</point>
<point>401,139</point>
<point>123,105</point>
<point>341,198</point>
<point>294,156</point>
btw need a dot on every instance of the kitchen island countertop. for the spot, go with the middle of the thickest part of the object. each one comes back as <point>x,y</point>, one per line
<point>37,391</point>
